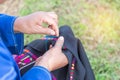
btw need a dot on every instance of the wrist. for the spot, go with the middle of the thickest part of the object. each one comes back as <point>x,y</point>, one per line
<point>41,62</point>
<point>18,24</point>
<point>43,65</point>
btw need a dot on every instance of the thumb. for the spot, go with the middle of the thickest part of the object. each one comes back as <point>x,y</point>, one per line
<point>60,42</point>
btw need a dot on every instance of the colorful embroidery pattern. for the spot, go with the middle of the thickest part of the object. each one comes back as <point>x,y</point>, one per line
<point>53,77</point>
<point>25,58</point>
<point>55,39</point>
<point>72,69</point>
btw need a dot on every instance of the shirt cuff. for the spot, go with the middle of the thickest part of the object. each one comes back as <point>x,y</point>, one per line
<point>37,73</point>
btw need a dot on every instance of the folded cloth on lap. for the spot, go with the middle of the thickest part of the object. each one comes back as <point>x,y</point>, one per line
<point>78,68</point>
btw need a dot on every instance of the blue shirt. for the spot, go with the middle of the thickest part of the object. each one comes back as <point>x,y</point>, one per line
<point>12,43</point>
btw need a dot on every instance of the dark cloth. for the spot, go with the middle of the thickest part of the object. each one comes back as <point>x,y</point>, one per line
<point>72,48</point>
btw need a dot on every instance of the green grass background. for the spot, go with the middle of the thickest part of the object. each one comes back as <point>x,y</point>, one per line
<point>95,22</point>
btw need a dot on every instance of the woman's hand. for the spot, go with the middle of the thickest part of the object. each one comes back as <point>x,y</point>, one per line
<point>32,24</point>
<point>54,58</point>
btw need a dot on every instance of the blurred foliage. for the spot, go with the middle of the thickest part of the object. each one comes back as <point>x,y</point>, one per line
<point>113,3</point>
<point>95,22</point>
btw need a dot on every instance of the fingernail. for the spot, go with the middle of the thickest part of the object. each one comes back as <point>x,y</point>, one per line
<point>52,33</point>
<point>61,38</point>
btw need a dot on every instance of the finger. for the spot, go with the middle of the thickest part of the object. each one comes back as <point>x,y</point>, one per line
<point>54,25</point>
<point>54,16</point>
<point>50,46</point>
<point>55,29</point>
<point>60,42</point>
<point>42,30</point>
<point>49,21</point>
<point>47,31</point>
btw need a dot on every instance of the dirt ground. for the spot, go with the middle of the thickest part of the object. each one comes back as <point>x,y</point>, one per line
<point>11,7</point>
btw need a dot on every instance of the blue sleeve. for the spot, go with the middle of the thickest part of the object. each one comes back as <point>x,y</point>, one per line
<point>10,71</point>
<point>13,41</point>
<point>37,73</point>
<point>8,67</point>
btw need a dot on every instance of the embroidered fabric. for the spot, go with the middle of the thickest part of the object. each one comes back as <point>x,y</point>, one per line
<point>78,67</point>
<point>28,58</point>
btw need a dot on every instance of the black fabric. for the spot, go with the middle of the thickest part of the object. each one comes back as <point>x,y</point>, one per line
<point>74,49</point>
